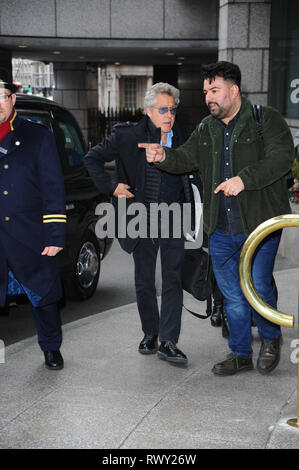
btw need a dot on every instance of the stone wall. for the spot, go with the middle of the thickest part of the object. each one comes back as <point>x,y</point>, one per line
<point>145,19</point>
<point>244,38</point>
<point>77,90</point>
<point>288,247</point>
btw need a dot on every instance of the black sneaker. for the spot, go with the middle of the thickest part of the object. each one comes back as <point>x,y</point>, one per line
<point>169,352</point>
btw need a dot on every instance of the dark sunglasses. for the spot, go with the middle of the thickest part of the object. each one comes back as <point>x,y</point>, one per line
<point>165,109</point>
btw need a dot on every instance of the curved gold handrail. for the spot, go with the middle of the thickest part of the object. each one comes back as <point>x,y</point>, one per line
<point>249,247</point>
<point>275,316</point>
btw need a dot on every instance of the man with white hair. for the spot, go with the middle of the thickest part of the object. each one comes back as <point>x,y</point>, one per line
<point>139,181</point>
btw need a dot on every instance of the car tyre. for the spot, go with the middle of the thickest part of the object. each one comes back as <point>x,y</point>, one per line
<point>85,271</point>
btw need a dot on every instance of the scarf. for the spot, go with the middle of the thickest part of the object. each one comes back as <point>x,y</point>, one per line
<point>7,126</point>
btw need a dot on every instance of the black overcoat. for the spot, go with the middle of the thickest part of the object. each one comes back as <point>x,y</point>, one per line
<point>32,210</point>
<point>130,162</point>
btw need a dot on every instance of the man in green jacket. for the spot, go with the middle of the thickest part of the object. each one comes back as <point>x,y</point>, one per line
<point>244,184</point>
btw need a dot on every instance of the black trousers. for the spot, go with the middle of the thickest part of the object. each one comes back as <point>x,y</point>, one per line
<point>48,326</point>
<point>168,324</point>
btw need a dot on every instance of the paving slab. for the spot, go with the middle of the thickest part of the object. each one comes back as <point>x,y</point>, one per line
<point>109,396</point>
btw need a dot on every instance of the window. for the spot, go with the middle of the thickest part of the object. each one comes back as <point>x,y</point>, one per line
<point>130,92</point>
<point>70,140</point>
<point>284,57</point>
<point>40,118</point>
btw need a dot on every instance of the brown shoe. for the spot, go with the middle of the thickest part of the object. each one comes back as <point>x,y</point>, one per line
<point>269,355</point>
<point>232,365</point>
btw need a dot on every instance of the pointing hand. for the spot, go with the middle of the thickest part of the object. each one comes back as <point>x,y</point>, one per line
<point>231,187</point>
<point>154,152</point>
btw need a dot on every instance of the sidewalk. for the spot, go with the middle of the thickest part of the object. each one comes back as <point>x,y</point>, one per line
<point>109,396</point>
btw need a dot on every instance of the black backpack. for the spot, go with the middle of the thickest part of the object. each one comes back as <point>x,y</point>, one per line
<point>257,114</point>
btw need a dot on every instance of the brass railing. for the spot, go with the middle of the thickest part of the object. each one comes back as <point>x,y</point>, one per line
<point>275,316</point>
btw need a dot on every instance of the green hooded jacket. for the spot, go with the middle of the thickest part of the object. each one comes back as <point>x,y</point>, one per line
<point>261,164</point>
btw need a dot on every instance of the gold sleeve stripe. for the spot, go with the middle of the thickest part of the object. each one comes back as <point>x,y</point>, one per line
<point>11,121</point>
<point>49,216</point>
<point>54,220</point>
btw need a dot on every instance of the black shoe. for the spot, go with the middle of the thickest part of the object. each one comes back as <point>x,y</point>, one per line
<point>232,365</point>
<point>169,352</point>
<point>269,355</point>
<point>216,316</point>
<point>149,344</point>
<point>53,360</point>
<point>225,327</point>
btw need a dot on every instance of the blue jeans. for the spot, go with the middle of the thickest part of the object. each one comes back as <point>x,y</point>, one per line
<point>227,276</point>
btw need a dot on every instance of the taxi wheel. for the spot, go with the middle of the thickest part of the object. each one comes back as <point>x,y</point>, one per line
<point>86,269</point>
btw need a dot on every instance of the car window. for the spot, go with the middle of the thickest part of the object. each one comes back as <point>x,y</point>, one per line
<point>42,118</point>
<point>73,147</point>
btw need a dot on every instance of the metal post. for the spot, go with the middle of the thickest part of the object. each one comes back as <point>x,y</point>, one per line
<point>294,422</point>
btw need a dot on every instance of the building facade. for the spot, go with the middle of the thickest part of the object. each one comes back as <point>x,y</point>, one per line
<point>100,40</point>
<point>123,86</point>
<point>33,76</point>
<point>262,37</point>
